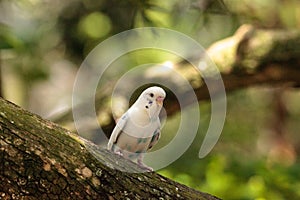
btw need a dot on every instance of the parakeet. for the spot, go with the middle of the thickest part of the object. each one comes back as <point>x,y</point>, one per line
<point>138,130</point>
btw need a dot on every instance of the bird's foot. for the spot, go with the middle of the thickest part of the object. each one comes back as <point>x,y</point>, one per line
<point>119,152</point>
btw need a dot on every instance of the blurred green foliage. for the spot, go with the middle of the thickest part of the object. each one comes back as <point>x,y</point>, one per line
<point>35,35</point>
<point>236,168</point>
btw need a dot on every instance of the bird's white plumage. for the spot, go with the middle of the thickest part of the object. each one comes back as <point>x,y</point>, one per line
<point>138,129</point>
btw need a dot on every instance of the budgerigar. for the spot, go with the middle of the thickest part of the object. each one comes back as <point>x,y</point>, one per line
<point>138,130</point>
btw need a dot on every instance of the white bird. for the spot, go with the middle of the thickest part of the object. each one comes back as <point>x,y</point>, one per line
<point>138,130</point>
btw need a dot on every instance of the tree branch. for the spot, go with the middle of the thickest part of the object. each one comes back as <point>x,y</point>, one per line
<point>41,160</point>
<point>250,57</point>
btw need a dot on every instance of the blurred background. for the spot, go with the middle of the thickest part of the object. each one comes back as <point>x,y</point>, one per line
<point>43,43</point>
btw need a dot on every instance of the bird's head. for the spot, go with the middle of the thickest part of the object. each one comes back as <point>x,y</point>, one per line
<point>152,99</point>
<point>154,94</point>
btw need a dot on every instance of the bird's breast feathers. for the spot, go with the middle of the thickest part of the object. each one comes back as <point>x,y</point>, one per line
<point>138,126</point>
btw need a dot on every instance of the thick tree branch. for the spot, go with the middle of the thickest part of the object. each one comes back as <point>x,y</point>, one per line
<point>40,160</point>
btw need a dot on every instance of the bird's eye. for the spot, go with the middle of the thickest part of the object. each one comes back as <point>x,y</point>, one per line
<point>151,95</point>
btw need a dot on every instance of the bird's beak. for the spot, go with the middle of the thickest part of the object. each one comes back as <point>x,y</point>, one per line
<point>160,100</point>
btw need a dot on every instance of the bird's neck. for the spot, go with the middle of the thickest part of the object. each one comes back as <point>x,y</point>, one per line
<point>140,116</point>
<point>143,114</point>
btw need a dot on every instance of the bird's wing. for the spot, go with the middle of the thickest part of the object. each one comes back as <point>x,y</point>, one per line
<point>117,130</point>
<point>155,137</point>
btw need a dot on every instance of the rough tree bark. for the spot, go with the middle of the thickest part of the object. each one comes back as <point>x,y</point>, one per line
<point>41,160</point>
<point>1,90</point>
<point>250,57</point>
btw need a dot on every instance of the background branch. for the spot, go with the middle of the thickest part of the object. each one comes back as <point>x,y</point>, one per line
<point>248,58</point>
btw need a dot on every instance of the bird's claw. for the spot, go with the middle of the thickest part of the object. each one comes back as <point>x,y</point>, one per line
<point>119,153</point>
